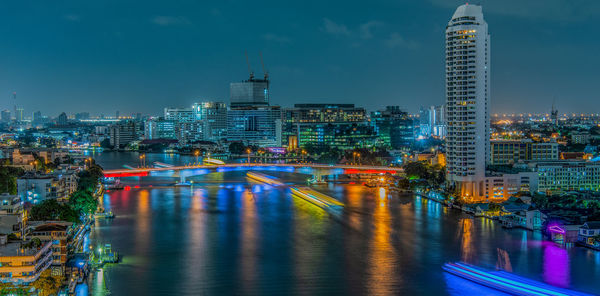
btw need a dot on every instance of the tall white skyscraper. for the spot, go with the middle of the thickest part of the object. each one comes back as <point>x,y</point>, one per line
<point>467,101</point>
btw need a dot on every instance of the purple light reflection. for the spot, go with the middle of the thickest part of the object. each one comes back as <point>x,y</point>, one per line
<point>556,265</point>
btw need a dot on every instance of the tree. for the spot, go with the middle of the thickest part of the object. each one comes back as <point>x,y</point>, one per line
<point>416,170</point>
<point>50,209</point>
<point>8,179</point>
<point>83,202</point>
<point>89,178</point>
<point>237,148</point>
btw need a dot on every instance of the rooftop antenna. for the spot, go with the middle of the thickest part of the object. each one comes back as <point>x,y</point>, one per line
<point>249,69</point>
<point>263,66</point>
<point>14,96</point>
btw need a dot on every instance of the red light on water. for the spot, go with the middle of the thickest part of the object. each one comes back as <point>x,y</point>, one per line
<point>107,190</point>
<point>127,188</point>
<point>351,183</point>
<point>136,186</point>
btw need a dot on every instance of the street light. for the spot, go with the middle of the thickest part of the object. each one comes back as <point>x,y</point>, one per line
<point>248,152</point>
<point>196,153</point>
<point>143,160</point>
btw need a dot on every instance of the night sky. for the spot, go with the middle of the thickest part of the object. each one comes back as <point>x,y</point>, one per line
<point>141,56</point>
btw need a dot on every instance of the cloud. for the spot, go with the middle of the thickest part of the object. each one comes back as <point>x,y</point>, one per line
<point>365,30</point>
<point>72,17</point>
<point>555,10</point>
<point>276,38</point>
<point>333,28</point>
<point>397,41</point>
<point>163,20</point>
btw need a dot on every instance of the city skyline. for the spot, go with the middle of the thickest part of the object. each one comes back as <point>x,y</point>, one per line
<point>391,56</point>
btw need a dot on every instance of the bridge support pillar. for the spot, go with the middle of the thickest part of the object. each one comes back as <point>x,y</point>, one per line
<point>181,179</point>
<point>317,176</point>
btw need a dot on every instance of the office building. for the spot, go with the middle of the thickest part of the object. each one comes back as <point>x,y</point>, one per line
<point>124,132</point>
<point>255,125</point>
<point>568,175</point>
<point>19,114</point>
<point>432,122</point>
<point>394,127</point>
<point>213,117</point>
<point>251,92</point>
<point>187,128</point>
<point>159,128</point>
<point>341,126</point>
<point>467,101</point>
<point>62,119</point>
<point>505,152</point>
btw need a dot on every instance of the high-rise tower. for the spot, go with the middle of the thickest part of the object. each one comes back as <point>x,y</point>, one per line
<point>467,101</point>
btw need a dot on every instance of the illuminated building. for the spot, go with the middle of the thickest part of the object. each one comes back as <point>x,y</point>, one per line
<point>23,265</point>
<point>213,117</point>
<point>255,125</point>
<point>341,126</point>
<point>56,233</point>
<point>34,187</point>
<point>159,128</point>
<point>394,127</point>
<point>565,175</point>
<point>187,128</point>
<point>500,187</point>
<point>342,136</point>
<point>124,132</point>
<point>467,101</point>
<point>514,151</point>
<point>432,121</point>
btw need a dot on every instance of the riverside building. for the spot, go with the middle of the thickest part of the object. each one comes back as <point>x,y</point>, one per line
<point>467,101</point>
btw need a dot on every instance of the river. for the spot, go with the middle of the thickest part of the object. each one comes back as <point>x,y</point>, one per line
<point>228,236</point>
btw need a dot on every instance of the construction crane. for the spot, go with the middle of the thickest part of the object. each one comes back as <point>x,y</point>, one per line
<point>249,68</point>
<point>263,66</point>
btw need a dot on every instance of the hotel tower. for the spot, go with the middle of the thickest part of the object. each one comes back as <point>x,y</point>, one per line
<point>468,101</point>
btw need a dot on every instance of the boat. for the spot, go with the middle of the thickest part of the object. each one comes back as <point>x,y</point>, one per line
<point>506,282</point>
<point>106,215</point>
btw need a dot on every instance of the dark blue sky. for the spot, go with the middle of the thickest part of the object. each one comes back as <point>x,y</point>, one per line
<point>102,56</point>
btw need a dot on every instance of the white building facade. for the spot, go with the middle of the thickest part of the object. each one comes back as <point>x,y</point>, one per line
<point>467,101</point>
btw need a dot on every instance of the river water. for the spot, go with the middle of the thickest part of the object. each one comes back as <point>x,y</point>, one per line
<point>229,236</point>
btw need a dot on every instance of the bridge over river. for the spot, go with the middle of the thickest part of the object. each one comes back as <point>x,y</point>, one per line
<point>316,170</point>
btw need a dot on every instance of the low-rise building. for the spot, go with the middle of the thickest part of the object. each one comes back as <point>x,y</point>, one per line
<point>561,176</point>
<point>22,265</point>
<point>514,151</point>
<point>10,204</point>
<point>589,234</point>
<point>19,158</point>
<point>37,187</point>
<point>500,187</point>
<point>580,137</point>
<point>56,233</point>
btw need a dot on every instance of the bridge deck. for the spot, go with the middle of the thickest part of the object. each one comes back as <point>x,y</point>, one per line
<point>348,169</point>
